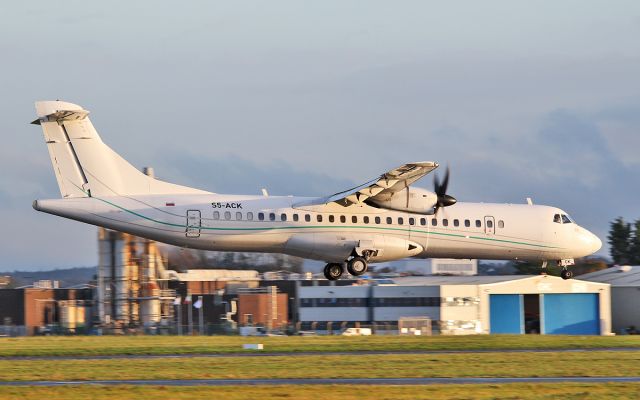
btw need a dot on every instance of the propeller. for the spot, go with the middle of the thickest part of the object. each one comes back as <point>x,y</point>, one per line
<point>440,188</point>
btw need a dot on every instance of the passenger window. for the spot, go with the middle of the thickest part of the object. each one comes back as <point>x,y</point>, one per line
<point>307,217</point>
<point>239,216</point>
<point>389,221</point>
<point>456,222</point>
<point>343,219</point>
<point>467,223</point>
<point>295,217</point>
<point>272,216</point>
<point>489,223</point>
<point>365,219</point>
<point>216,215</point>
<point>319,218</point>
<point>227,215</point>
<point>377,219</point>
<point>445,222</point>
<point>556,219</point>
<point>501,224</point>
<point>261,216</point>
<point>423,221</point>
<point>412,221</point>
<point>478,223</point>
<point>434,222</point>
<point>250,216</point>
<point>354,219</point>
<point>331,218</point>
<point>400,221</point>
<point>283,217</point>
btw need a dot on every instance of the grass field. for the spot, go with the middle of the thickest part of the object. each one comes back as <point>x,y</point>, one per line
<point>356,392</point>
<point>159,345</point>
<point>596,362</point>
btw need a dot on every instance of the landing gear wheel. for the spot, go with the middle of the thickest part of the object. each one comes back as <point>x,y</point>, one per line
<point>333,271</point>
<point>566,274</point>
<point>357,266</point>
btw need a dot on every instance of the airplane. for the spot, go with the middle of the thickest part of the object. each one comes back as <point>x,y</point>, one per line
<point>382,220</point>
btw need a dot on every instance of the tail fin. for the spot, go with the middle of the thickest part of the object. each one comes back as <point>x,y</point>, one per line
<point>83,164</point>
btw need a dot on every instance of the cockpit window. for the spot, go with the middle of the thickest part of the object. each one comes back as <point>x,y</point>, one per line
<point>557,219</point>
<point>566,219</point>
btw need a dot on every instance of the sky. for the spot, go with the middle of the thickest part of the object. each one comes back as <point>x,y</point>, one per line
<point>521,99</point>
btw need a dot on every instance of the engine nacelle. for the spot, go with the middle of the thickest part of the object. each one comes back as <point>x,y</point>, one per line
<point>412,199</point>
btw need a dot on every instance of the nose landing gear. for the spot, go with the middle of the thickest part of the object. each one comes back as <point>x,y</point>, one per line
<point>566,274</point>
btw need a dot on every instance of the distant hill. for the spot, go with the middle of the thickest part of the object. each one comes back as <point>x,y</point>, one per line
<point>67,277</point>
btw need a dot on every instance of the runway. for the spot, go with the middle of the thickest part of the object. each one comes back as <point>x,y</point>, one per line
<point>338,381</point>
<point>259,353</point>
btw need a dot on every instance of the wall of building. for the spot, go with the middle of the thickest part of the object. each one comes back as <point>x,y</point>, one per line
<point>460,310</point>
<point>266,309</point>
<point>625,303</point>
<point>334,303</point>
<point>390,303</point>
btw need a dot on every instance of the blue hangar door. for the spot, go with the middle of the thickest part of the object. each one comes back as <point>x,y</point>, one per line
<point>571,314</point>
<point>506,313</point>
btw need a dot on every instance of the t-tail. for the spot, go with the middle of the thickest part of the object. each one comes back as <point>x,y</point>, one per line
<point>84,166</point>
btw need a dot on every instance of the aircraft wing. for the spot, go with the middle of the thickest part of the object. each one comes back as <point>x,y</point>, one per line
<point>382,187</point>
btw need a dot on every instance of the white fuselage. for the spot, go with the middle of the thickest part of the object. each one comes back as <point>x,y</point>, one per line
<point>330,232</point>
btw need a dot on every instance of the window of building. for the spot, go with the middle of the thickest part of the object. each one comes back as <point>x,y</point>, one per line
<point>445,222</point>
<point>478,223</point>
<point>319,217</point>
<point>343,219</point>
<point>261,216</point>
<point>467,223</point>
<point>434,222</point>
<point>295,217</point>
<point>501,224</point>
<point>307,217</point>
<point>227,215</point>
<point>272,216</point>
<point>365,219</point>
<point>412,221</point>
<point>389,221</point>
<point>239,216</point>
<point>331,218</point>
<point>456,222</point>
<point>377,219</point>
<point>354,219</point>
<point>400,221</point>
<point>216,215</point>
<point>249,216</point>
<point>283,217</point>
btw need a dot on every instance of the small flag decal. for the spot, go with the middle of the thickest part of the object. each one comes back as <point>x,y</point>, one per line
<point>170,204</point>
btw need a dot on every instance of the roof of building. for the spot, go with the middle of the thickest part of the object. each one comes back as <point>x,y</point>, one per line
<point>616,276</point>
<point>457,280</point>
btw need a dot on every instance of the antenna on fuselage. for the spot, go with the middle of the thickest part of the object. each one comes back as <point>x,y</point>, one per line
<point>264,192</point>
<point>529,201</point>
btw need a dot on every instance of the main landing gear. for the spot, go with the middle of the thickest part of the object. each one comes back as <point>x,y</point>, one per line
<point>356,266</point>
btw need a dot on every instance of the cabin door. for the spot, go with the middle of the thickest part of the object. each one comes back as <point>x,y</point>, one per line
<point>193,223</point>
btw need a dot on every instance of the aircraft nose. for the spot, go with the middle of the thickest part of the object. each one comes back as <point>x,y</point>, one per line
<point>590,242</point>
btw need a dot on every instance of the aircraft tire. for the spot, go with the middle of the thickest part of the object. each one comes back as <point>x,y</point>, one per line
<point>566,274</point>
<point>357,266</point>
<point>333,271</point>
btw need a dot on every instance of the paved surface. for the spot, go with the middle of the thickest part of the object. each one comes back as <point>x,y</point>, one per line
<point>253,353</point>
<point>363,381</point>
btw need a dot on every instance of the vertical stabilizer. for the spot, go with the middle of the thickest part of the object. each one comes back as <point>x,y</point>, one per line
<point>84,165</point>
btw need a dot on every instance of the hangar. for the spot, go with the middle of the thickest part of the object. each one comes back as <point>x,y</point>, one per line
<point>625,296</point>
<point>467,304</point>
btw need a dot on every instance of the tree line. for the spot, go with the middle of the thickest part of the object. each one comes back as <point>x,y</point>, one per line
<point>624,239</point>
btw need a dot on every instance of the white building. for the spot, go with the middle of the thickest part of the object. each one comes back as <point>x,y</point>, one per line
<point>625,295</point>
<point>452,266</point>
<point>467,304</point>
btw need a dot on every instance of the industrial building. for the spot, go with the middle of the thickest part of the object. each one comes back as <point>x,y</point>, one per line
<point>465,304</point>
<point>625,296</point>
<point>44,310</point>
